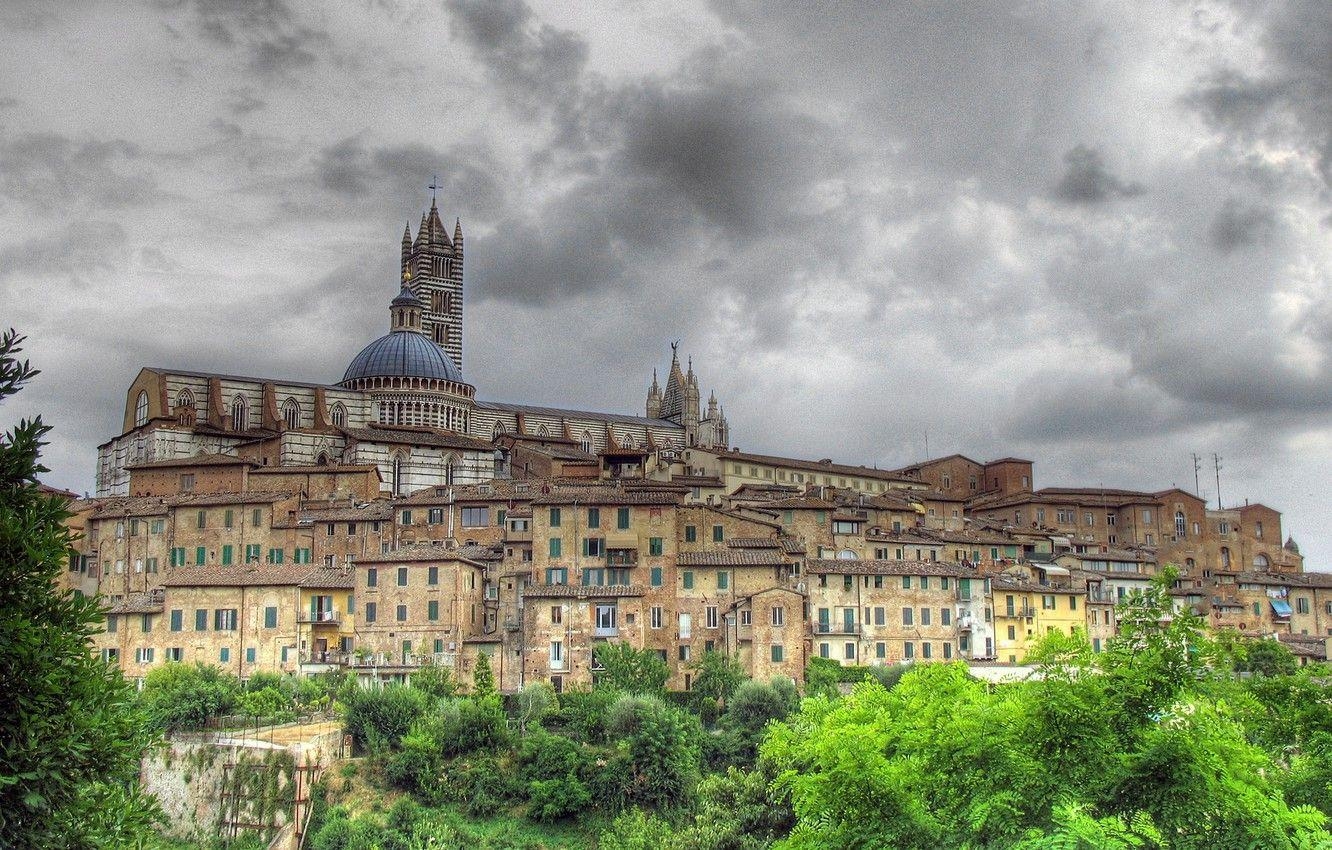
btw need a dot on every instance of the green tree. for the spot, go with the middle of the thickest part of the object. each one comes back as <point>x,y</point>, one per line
<point>716,676</point>
<point>1267,657</point>
<point>535,701</point>
<point>435,681</point>
<point>71,736</point>
<point>183,696</point>
<point>633,671</point>
<point>483,678</point>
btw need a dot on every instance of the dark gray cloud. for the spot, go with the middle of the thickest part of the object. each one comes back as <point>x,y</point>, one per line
<point>268,32</point>
<point>1087,180</point>
<point>535,61</point>
<point>1093,233</point>
<point>1239,226</point>
<point>51,171</point>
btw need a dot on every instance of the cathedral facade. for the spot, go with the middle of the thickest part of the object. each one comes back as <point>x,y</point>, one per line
<point>402,404</point>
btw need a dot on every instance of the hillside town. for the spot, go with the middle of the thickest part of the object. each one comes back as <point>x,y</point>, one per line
<point>393,520</point>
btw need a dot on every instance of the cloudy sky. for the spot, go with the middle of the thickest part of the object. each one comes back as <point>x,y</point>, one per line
<point>1093,234</point>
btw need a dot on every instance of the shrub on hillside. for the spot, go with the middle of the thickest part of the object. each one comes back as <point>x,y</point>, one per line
<point>184,696</point>
<point>383,715</point>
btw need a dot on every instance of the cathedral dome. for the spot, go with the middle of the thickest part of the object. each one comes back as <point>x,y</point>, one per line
<point>402,354</point>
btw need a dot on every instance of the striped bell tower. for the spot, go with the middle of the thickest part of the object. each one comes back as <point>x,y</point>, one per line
<point>432,268</point>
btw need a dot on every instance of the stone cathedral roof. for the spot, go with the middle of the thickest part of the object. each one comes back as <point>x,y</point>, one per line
<point>403,354</point>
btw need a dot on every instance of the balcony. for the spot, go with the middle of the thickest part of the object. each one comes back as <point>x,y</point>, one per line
<point>329,657</point>
<point>1026,611</point>
<point>518,536</point>
<point>967,623</point>
<point>319,618</point>
<point>1103,597</point>
<point>395,659</point>
<point>622,558</point>
<point>837,628</point>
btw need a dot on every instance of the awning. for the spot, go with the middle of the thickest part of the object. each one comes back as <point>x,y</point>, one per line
<point>1280,607</point>
<point>1053,570</point>
<point>1056,540</point>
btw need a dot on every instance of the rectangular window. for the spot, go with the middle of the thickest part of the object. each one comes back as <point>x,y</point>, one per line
<point>605,622</point>
<point>622,518</point>
<point>270,617</point>
<point>1072,603</point>
<point>778,653</point>
<point>557,575</point>
<point>406,517</point>
<point>252,553</point>
<point>402,613</point>
<point>331,530</point>
<point>372,577</point>
<point>691,534</point>
<point>925,616</point>
<point>432,610</point>
<point>224,654</point>
<point>1012,633</point>
<point>906,582</point>
<point>475,517</point>
<point>111,623</point>
<point>594,517</point>
<point>201,619</point>
<point>687,577</point>
<point>249,655</point>
<point>710,617</point>
<point>925,580</point>
<point>257,517</point>
<point>275,556</point>
<point>718,534</point>
<point>200,555</point>
<point>594,547</point>
<point>224,619</point>
<point>683,653</point>
<point>926,650</point>
<point>435,516</point>
<point>909,650</point>
<point>402,576</point>
<point>157,526</point>
<point>880,615</point>
<point>554,517</point>
<point>778,615</point>
<point>371,610</point>
<point>226,555</point>
<point>1301,605</point>
<point>880,650</point>
<point>555,546</point>
<point>655,547</point>
<point>654,617</point>
<point>908,617</point>
<point>723,580</point>
<point>656,577</point>
<point>203,519</point>
<point>556,655</point>
<point>686,626</point>
<point>177,620</point>
<point>227,518</point>
<point>945,616</point>
<point>556,614</point>
<point>175,653</point>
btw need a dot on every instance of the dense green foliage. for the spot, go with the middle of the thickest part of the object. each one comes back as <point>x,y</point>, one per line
<point>1141,748</point>
<point>70,735</point>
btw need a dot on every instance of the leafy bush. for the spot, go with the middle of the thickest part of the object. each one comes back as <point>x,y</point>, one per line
<point>267,702</point>
<point>554,799</point>
<point>635,671</point>
<point>635,830</point>
<point>546,756</point>
<point>434,681</point>
<point>383,714</point>
<point>184,696</point>
<point>582,714</point>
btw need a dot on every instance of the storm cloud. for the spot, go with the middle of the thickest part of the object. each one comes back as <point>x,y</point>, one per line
<point>1093,234</point>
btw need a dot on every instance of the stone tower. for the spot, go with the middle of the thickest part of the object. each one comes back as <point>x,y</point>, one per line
<point>679,403</point>
<point>432,268</point>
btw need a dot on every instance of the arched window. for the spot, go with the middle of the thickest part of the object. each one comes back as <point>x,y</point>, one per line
<point>141,409</point>
<point>587,442</point>
<point>322,460</point>
<point>500,431</point>
<point>1188,562</point>
<point>1180,526</point>
<point>542,432</point>
<point>1261,562</point>
<point>448,470</point>
<point>337,414</point>
<point>291,413</point>
<point>239,414</point>
<point>185,407</point>
<point>397,479</point>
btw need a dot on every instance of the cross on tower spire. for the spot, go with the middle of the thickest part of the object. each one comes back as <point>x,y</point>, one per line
<point>434,184</point>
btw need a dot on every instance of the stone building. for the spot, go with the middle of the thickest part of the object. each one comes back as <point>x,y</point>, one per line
<point>401,405</point>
